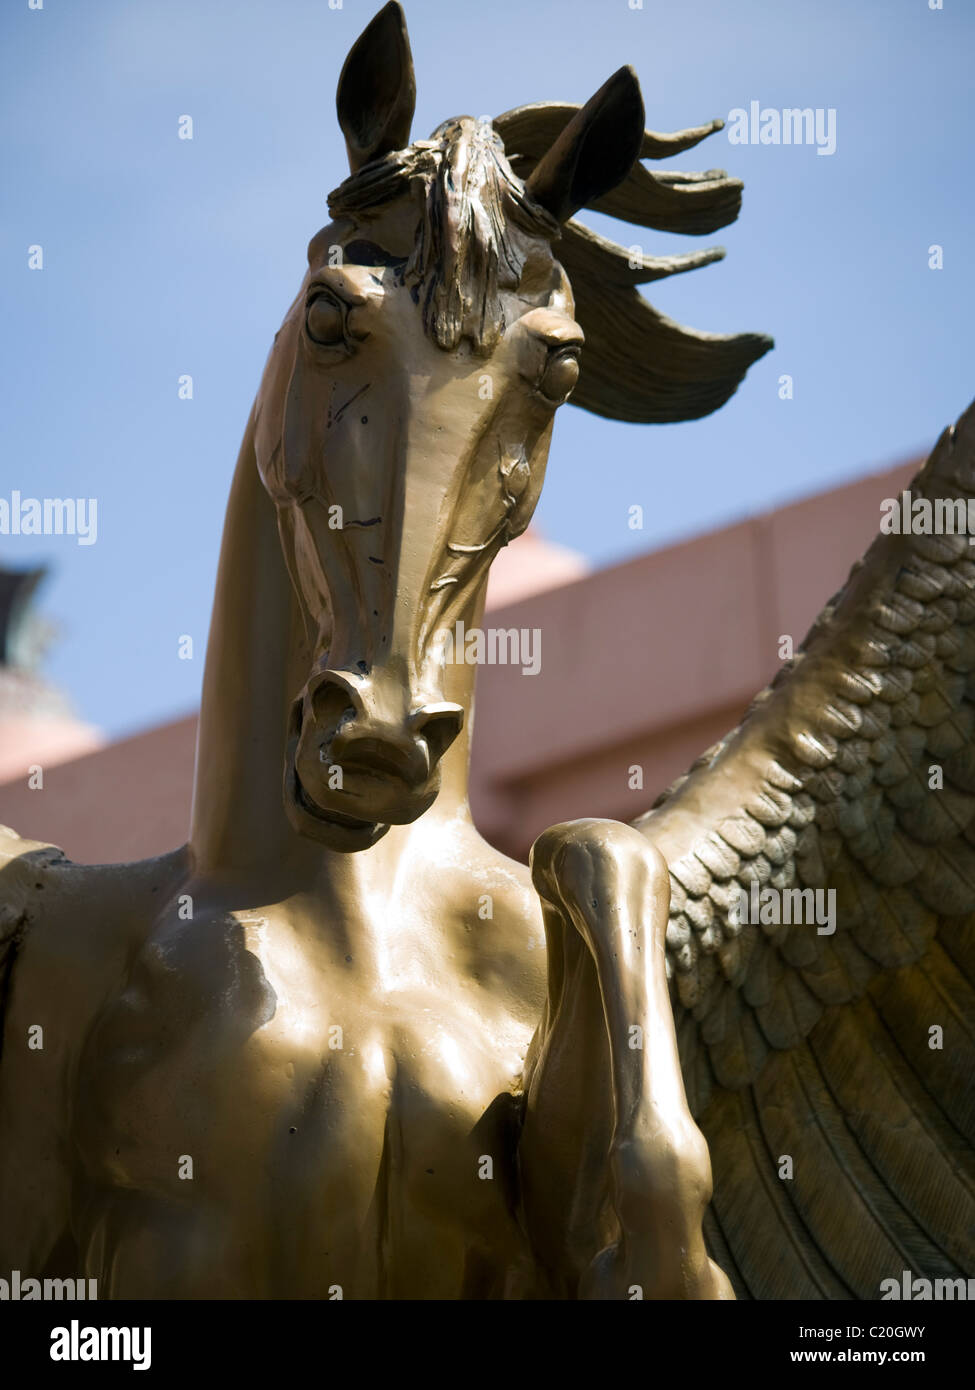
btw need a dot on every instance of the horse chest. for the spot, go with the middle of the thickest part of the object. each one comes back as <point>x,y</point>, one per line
<point>360,1137</point>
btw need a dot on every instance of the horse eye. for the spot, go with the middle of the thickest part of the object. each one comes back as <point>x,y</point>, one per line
<point>560,376</point>
<point>325,321</point>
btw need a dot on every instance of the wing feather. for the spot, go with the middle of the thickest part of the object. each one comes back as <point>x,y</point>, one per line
<point>852,774</point>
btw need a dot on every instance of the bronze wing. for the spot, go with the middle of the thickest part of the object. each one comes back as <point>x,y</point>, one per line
<point>854,771</point>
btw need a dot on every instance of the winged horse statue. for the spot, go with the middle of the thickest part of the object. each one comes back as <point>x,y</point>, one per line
<point>310,1054</point>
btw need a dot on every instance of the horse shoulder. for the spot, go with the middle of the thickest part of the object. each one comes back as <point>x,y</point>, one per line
<point>500,909</point>
<point>68,931</point>
<point>67,934</point>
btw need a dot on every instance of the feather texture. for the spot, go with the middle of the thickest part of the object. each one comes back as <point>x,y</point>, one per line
<point>848,1052</point>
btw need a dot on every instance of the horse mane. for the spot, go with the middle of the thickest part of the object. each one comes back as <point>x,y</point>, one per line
<point>467,250</point>
<point>638,365</point>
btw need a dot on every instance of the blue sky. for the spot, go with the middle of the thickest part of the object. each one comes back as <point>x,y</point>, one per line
<point>165,256</point>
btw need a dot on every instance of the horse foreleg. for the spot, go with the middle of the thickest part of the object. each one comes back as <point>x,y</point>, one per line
<point>615,1174</point>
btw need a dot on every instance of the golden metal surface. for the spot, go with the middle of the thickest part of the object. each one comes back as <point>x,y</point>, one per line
<point>337,1045</point>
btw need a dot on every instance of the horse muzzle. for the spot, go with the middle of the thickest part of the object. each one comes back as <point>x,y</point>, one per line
<point>352,769</point>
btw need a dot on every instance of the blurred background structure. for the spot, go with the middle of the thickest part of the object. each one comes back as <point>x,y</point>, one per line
<point>37,724</point>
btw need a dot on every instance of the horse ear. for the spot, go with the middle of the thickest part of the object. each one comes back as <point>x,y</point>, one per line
<point>595,151</point>
<point>377,90</point>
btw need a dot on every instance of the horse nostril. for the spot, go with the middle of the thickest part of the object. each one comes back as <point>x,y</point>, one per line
<point>439,726</point>
<point>332,706</point>
<point>347,724</point>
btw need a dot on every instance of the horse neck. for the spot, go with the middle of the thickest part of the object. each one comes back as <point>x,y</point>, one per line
<point>238,820</point>
<point>256,662</point>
